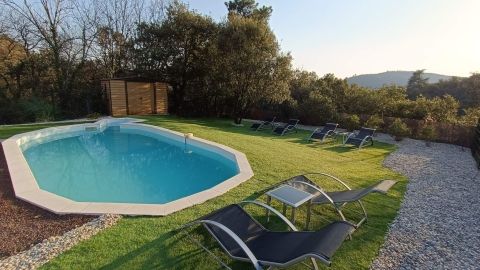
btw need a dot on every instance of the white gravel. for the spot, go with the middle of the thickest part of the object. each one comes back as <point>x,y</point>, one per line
<point>53,246</point>
<point>438,224</point>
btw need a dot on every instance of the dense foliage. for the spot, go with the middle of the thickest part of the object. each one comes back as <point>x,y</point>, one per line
<point>50,68</point>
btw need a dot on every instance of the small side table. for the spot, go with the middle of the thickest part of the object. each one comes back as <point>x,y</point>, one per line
<point>342,135</point>
<point>292,197</point>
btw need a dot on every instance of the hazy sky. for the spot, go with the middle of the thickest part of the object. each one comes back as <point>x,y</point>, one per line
<point>371,36</point>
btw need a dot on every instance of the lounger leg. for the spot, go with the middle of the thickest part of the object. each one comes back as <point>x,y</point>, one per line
<point>309,213</point>
<point>284,209</point>
<point>293,215</point>
<point>364,219</point>
<point>339,211</point>
<point>269,200</point>
<point>314,263</point>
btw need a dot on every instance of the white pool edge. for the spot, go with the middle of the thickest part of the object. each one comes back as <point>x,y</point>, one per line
<point>26,188</point>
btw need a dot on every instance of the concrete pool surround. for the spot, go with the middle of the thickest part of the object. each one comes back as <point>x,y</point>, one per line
<point>27,189</point>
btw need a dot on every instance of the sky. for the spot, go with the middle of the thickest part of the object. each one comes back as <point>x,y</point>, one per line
<point>348,37</point>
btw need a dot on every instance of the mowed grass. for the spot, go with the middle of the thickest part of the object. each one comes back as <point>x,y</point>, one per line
<point>152,243</point>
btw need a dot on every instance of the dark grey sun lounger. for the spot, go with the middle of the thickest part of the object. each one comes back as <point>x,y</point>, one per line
<point>338,199</point>
<point>288,127</point>
<point>321,134</point>
<point>243,238</point>
<point>364,135</point>
<point>267,122</point>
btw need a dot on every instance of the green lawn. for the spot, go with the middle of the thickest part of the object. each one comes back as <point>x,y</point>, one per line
<point>148,242</point>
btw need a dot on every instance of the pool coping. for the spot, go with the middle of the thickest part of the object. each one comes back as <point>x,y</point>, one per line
<point>27,189</point>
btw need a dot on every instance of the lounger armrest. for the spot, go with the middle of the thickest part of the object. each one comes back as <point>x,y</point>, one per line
<point>384,186</point>
<point>235,238</point>
<point>273,210</point>
<point>331,177</point>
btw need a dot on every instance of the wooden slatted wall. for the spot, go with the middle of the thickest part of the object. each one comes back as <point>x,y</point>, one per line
<point>162,98</point>
<point>140,98</point>
<point>118,98</point>
<point>129,98</point>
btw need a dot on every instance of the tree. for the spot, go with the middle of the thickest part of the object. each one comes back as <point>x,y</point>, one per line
<point>253,68</point>
<point>177,50</point>
<point>65,29</point>
<point>417,83</point>
<point>117,28</point>
<point>248,9</point>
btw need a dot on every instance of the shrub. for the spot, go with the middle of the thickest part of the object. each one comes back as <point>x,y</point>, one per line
<point>37,109</point>
<point>351,122</point>
<point>399,129</point>
<point>428,133</point>
<point>318,109</point>
<point>375,121</point>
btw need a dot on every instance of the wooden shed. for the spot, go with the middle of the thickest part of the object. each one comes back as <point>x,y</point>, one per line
<point>135,95</point>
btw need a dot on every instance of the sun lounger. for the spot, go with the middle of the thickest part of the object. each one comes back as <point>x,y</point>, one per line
<point>361,138</point>
<point>288,127</point>
<point>243,238</point>
<point>321,134</point>
<point>263,124</point>
<point>338,199</point>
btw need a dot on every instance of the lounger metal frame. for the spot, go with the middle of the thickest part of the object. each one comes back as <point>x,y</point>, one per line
<point>362,143</point>
<point>330,133</point>
<point>251,257</point>
<point>288,127</point>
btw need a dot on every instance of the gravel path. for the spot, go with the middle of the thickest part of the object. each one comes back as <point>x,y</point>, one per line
<point>53,246</point>
<point>438,225</point>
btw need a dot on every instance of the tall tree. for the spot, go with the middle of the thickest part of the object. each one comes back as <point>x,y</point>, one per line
<point>253,68</point>
<point>248,9</point>
<point>177,50</point>
<point>117,27</point>
<point>417,83</point>
<point>64,29</point>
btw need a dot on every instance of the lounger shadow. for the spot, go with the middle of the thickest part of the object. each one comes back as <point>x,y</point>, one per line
<point>243,238</point>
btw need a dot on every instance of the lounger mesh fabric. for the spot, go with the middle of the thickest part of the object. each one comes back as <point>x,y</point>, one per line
<point>329,127</point>
<point>275,247</point>
<point>339,196</point>
<point>291,122</point>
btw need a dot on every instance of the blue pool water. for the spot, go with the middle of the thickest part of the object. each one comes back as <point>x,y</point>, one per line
<point>122,166</point>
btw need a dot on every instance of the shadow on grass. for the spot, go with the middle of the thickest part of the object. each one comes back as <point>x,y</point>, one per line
<point>340,149</point>
<point>224,125</point>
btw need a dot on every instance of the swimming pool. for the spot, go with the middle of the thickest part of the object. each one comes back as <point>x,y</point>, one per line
<point>117,166</point>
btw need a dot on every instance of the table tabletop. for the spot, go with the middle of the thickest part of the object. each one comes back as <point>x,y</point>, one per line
<point>290,195</point>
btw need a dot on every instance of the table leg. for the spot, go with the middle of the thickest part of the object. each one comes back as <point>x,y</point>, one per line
<point>309,213</point>
<point>269,200</point>
<point>293,215</point>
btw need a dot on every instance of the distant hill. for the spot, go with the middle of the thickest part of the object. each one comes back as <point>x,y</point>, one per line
<point>391,77</point>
